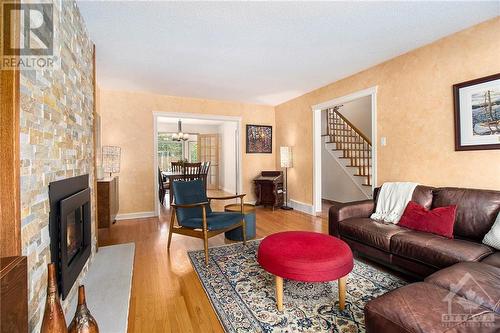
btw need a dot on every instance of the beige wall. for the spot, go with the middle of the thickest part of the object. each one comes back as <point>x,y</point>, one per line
<point>127,121</point>
<point>415,113</point>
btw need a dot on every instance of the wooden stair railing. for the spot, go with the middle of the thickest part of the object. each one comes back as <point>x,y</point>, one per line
<point>353,144</point>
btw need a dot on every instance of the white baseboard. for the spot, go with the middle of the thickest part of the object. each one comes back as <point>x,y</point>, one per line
<point>138,215</point>
<point>302,207</point>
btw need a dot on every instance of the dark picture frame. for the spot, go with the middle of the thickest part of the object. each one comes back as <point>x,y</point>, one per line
<point>259,139</point>
<point>477,113</point>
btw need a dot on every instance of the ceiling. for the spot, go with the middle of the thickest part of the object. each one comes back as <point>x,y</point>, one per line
<point>259,52</point>
<point>191,121</point>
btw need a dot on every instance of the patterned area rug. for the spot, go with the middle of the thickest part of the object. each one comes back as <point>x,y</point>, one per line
<point>242,294</point>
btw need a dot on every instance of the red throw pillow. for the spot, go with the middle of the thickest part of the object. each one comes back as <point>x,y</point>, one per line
<point>438,221</point>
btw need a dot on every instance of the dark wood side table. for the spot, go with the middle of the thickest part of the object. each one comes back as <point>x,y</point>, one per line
<point>107,201</point>
<point>14,295</point>
<point>269,189</point>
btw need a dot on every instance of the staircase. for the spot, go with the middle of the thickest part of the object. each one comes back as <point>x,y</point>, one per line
<point>351,148</point>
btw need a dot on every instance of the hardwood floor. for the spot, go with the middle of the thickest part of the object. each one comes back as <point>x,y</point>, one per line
<point>166,293</point>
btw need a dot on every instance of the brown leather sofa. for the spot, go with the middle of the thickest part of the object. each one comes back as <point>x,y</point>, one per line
<point>462,298</point>
<point>463,261</point>
<point>417,253</point>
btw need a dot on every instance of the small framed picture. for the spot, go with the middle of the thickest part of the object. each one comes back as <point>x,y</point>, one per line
<point>477,113</point>
<point>259,139</point>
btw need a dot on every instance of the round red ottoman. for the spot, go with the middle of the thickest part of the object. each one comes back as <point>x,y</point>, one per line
<point>305,256</point>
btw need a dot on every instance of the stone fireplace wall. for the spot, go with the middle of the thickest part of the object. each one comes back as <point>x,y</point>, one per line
<point>56,142</point>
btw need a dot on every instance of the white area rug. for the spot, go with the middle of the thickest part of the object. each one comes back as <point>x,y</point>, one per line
<point>107,288</point>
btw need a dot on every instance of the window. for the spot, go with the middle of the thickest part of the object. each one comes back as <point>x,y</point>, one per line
<point>193,151</point>
<point>168,150</point>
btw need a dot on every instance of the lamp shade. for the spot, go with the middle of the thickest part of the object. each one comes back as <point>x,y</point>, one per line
<point>286,157</point>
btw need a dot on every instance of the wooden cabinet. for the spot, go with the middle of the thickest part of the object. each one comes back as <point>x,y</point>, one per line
<point>269,189</point>
<point>107,201</point>
<point>14,295</point>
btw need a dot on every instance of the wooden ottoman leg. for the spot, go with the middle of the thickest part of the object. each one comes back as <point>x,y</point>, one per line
<point>342,282</point>
<point>279,292</point>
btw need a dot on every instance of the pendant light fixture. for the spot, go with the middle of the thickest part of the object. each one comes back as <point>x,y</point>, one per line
<point>179,136</point>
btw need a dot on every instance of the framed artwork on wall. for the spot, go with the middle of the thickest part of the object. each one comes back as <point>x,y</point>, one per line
<point>477,113</point>
<point>259,139</point>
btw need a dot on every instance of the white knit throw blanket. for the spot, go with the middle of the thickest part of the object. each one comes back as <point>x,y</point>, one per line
<point>392,201</point>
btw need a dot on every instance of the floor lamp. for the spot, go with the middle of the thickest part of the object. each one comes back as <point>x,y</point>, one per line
<point>286,162</point>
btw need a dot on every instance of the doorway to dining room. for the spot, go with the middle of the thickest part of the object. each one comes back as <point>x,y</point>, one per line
<point>190,139</point>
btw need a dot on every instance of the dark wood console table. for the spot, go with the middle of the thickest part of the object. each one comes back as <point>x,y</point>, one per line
<point>107,201</point>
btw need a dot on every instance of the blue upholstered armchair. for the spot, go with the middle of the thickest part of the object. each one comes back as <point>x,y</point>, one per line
<point>195,218</point>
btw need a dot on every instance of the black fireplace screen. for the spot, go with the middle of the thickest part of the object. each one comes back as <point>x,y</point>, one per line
<point>72,222</point>
<point>70,229</point>
<point>74,232</point>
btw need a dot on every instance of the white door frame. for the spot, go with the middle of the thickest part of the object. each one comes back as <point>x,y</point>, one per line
<point>317,142</point>
<point>157,114</point>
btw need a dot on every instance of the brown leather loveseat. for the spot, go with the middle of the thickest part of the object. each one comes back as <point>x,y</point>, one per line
<point>461,290</point>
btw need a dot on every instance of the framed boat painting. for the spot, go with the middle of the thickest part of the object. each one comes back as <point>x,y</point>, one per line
<point>477,113</point>
<point>259,139</point>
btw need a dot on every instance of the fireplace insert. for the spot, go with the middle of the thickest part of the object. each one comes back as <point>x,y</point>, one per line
<point>69,228</point>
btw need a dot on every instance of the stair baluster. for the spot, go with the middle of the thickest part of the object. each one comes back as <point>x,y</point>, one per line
<point>353,144</point>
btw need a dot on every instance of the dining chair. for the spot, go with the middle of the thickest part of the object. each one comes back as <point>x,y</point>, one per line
<point>162,190</point>
<point>204,169</point>
<point>205,166</point>
<point>192,169</point>
<point>176,166</point>
<point>194,216</point>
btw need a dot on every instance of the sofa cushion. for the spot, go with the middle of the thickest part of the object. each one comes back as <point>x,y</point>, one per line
<point>421,195</point>
<point>475,281</point>
<point>438,221</point>
<point>370,232</point>
<point>425,307</point>
<point>476,209</point>
<point>436,250</point>
<point>492,259</point>
<point>492,238</point>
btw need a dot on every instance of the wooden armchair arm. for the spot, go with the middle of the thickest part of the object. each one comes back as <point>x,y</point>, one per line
<point>227,197</point>
<point>194,205</point>
<point>203,206</point>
